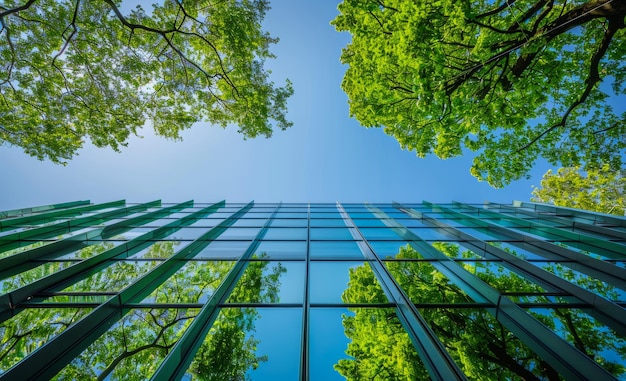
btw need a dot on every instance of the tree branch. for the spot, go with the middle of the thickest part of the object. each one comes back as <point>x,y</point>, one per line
<point>379,22</point>
<point>10,11</point>
<point>592,79</point>
<point>111,367</point>
<point>494,11</point>
<point>69,38</point>
<point>614,125</point>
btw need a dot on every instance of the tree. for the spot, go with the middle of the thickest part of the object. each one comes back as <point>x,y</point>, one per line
<point>77,70</point>
<point>510,80</point>
<point>482,348</point>
<point>600,190</point>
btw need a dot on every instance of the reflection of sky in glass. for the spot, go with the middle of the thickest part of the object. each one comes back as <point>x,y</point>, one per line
<point>329,280</point>
<point>330,249</point>
<point>278,331</point>
<point>224,249</point>
<point>613,347</point>
<point>282,249</point>
<point>327,342</point>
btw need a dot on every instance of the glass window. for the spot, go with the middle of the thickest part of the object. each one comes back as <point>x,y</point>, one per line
<point>596,286</point>
<point>91,250</point>
<point>424,284</point>
<point>27,277</point>
<point>369,223</point>
<point>501,278</point>
<point>289,223</point>
<point>270,282</point>
<point>335,249</point>
<point>331,234</point>
<point>328,222</point>
<point>429,234</point>
<point>224,249</point>
<point>479,344</point>
<point>114,277</point>
<point>334,214</point>
<point>281,250</point>
<point>330,282</point>
<point>206,222</point>
<point>251,344</point>
<point>379,233</point>
<point>387,249</point>
<point>194,282</point>
<point>484,234</point>
<point>599,342</point>
<point>248,223</point>
<point>161,249</point>
<point>518,249</point>
<point>239,233</point>
<point>300,215</point>
<point>286,234</point>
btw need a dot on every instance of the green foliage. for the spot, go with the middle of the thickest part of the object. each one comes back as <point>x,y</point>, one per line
<point>381,348</point>
<point>600,190</point>
<point>479,344</point>
<point>512,81</point>
<point>73,71</point>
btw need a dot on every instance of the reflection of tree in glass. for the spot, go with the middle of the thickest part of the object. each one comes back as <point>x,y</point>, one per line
<point>380,347</point>
<point>134,346</point>
<point>482,348</point>
<point>229,352</point>
<point>26,277</point>
<point>29,329</point>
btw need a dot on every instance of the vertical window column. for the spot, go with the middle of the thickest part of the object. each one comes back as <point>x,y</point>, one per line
<point>181,355</point>
<point>438,362</point>
<point>304,359</point>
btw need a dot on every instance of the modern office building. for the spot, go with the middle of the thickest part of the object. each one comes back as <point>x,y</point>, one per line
<point>250,291</point>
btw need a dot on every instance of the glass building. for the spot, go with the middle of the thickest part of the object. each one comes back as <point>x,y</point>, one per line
<point>250,291</point>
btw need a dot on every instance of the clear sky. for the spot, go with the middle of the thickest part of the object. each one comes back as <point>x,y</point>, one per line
<point>326,156</point>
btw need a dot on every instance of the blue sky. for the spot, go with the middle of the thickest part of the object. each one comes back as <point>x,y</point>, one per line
<point>324,157</point>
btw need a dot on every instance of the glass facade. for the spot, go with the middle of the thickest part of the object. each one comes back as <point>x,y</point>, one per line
<point>253,291</point>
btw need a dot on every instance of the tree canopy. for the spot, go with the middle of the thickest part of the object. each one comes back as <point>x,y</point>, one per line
<point>511,80</point>
<point>78,70</point>
<point>601,190</point>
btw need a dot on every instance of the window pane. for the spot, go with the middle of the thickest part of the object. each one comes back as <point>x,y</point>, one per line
<point>250,343</point>
<point>331,233</point>
<point>330,282</point>
<point>281,250</point>
<point>224,249</point>
<point>335,250</point>
<point>194,282</point>
<point>270,282</point>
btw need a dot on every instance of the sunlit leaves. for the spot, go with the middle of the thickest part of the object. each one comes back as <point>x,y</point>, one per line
<point>506,80</point>
<point>78,71</point>
<point>601,190</point>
